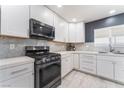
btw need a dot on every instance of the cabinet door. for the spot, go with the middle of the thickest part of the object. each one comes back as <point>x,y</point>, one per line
<point>105,69</point>
<point>67,65</point>
<point>37,12</point>
<point>15,21</point>
<point>41,13</point>
<point>70,62</point>
<point>72,33</point>
<point>119,71</point>
<point>23,81</point>
<point>60,28</point>
<point>65,28</point>
<point>76,61</point>
<point>80,33</point>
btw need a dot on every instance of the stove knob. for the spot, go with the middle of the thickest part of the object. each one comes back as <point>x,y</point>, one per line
<point>57,57</point>
<point>53,58</point>
<point>47,60</point>
<point>44,60</point>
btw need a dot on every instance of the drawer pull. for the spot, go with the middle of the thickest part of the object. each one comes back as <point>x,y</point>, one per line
<point>18,71</point>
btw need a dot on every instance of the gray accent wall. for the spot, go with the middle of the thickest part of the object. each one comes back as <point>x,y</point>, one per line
<point>19,50</point>
<point>106,22</point>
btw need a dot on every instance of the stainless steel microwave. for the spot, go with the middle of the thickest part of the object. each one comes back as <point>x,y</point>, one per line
<point>39,30</point>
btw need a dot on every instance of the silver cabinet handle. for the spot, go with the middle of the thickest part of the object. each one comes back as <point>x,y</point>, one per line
<point>18,71</point>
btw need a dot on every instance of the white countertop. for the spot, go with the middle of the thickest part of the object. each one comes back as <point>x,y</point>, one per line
<point>90,52</point>
<point>73,52</point>
<point>8,62</point>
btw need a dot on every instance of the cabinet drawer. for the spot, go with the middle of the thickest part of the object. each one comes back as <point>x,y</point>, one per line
<point>88,65</point>
<point>65,55</point>
<point>15,71</point>
<point>87,56</point>
<point>88,69</point>
<point>106,58</point>
<point>88,61</point>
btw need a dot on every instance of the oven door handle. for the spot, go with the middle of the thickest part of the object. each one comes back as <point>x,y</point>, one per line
<point>48,64</point>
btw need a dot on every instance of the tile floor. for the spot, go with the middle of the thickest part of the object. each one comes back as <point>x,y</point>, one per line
<point>77,79</point>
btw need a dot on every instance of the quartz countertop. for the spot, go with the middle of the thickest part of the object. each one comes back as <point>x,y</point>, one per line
<point>73,52</point>
<point>90,52</point>
<point>8,62</point>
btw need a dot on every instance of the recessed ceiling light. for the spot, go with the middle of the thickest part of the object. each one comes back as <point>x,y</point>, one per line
<point>112,11</point>
<point>59,5</point>
<point>74,20</point>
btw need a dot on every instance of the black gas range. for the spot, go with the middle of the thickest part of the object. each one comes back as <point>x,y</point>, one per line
<point>47,66</point>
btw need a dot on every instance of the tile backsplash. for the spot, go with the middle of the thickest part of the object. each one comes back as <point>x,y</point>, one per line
<point>91,47</point>
<point>19,44</point>
<point>85,47</point>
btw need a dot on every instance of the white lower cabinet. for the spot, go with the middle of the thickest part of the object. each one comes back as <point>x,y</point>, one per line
<point>88,63</point>
<point>19,76</point>
<point>105,68</point>
<point>119,69</point>
<point>110,67</point>
<point>76,61</point>
<point>67,65</point>
<point>23,81</point>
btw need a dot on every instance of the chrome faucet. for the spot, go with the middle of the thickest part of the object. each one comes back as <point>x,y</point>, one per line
<point>111,49</point>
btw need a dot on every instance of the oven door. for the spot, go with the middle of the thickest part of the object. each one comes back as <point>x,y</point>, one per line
<point>48,75</point>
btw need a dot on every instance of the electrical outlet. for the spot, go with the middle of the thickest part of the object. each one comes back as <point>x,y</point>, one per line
<point>12,46</point>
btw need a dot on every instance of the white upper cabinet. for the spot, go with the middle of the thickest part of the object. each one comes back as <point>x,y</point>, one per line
<point>61,29</point>
<point>76,33</point>
<point>65,32</point>
<point>42,14</point>
<point>72,33</point>
<point>80,32</point>
<point>15,21</point>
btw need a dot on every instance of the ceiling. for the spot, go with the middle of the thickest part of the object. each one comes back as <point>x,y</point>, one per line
<point>86,13</point>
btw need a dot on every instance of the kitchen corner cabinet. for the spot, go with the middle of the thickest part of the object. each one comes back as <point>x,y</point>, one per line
<point>76,33</point>
<point>61,29</point>
<point>42,13</point>
<point>15,21</point>
<point>67,64</point>
<point>76,61</point>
